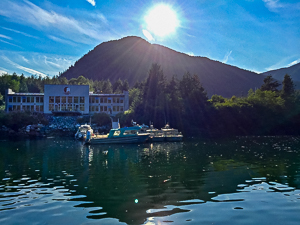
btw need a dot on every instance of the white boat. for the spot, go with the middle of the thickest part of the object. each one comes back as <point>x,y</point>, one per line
<point>155,134</point>
<point>171,134</point>
<point>126,135</point>
<point>82,130</point>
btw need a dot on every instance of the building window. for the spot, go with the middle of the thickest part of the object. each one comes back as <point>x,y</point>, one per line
<point>70,107</point>
<point>97,108</point>
<point>57,107</point>
<point>14,99</point>
<point>121,109</point>
<point>18,107</point>
<point>81,99</point>
<point>51,100</point>
<point>75,99</point>
<point>105,100</point>
<point>63,99</point>
<point>114,108</point>
<point>97,100</point>
<point>105,108</point>
<point>109,100</point>
<point>51,106</point>
<point>37,99</point>
<point>41,99</point>
<point>121,100</point>
<point>32,99</point>
<point>18,99</point>
<point>101,100</point>
<point>41,108</point>
<point>57,99</point>
<point>116,100</point>
<point>70,99</point>
<point>101,108</point>
<point>81,107</point>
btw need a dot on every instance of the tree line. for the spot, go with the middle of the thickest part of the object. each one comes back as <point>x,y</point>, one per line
<point>35,84</point>
<point>184,104</point>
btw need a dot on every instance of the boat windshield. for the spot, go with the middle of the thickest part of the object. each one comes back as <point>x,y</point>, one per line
<point>130,132</point>
<point>117,133</point>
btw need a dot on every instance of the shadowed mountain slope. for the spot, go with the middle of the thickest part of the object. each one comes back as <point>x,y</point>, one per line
<point>131,58</point>
<point>293,71</point>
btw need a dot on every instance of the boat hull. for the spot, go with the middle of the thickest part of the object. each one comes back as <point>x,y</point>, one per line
<point>156,139</point>
<point>119,140</point>
<point>173,138</point>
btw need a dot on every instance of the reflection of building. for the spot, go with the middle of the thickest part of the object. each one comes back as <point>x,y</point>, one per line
<point>67,98</point>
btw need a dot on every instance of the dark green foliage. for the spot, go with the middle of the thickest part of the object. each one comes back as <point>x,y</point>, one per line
<point>107,87</point>
<point>118,86</point>
<point>183,103</point>
<point>16,120</point>
<point>288,88</point>
<point>101,119</point>
<point>270,84</point>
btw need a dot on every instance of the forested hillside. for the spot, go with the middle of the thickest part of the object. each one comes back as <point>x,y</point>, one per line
<point>130,58</point>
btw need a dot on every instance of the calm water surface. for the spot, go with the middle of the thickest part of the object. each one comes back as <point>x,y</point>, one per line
<point>248,180</point>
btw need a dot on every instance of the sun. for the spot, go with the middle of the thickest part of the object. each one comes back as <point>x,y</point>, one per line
<point>161,20</point>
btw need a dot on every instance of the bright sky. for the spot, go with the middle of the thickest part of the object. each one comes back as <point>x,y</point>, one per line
<point>46,37</point>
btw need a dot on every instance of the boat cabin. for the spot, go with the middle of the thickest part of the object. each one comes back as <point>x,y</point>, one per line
<point>125,131</point>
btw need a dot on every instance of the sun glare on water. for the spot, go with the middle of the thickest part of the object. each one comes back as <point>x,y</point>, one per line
<point>161,20</point>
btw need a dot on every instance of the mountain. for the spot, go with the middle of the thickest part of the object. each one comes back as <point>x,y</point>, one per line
<point>293,71</point>
<point>131,58</point>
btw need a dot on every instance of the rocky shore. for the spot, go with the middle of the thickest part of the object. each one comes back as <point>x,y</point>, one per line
<point>57,126</point>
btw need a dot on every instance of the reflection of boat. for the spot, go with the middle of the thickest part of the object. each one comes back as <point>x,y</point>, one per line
<point>82,130</point>
<point>126,135</point>
<point>171,134</point>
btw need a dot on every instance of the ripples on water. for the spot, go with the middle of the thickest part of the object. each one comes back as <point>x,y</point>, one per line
<point>240,181</point>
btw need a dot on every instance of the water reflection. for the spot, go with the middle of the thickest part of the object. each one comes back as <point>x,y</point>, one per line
<point>151,183</point>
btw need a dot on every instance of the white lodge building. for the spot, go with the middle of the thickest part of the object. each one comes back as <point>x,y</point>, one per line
<point>67,99</point>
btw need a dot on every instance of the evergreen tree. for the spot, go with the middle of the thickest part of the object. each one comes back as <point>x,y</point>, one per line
<point>118,86</point>
<point>270,84</point>
<point>23,85</point>
<point>154,96</point>
<point>125,86</point>
<point>288,88</point>
<point>107,87</point>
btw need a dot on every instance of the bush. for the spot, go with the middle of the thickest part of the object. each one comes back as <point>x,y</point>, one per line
<point>101,119</point>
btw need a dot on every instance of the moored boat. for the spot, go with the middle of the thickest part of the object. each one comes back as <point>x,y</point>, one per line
<point>171,134</point>
<point>125,135</point>
<point>155,134</point>
<point>82,130</point>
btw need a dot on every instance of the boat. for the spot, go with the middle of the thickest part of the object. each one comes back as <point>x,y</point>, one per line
<point>82,130</point>
<point>171,134</point>
<point>156,135</point>
<point>125,135</point>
